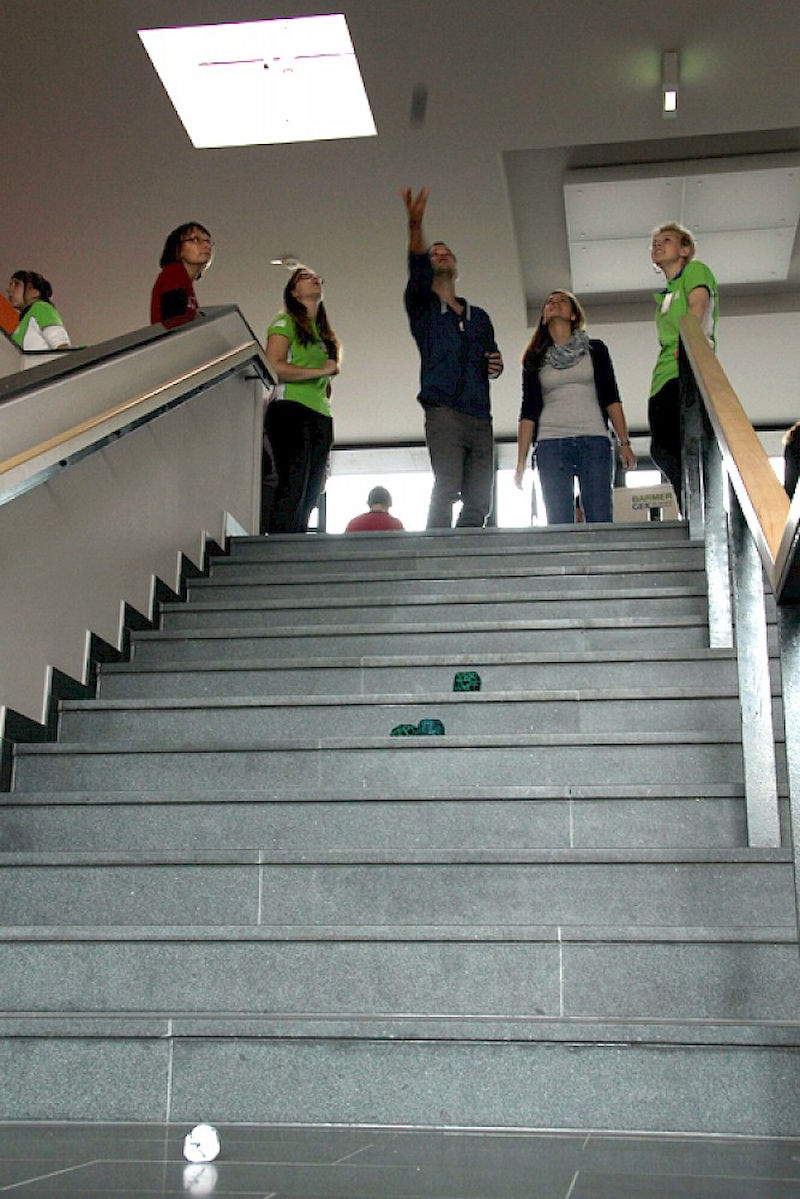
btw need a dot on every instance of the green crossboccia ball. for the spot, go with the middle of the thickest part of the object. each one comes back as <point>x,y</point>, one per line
<point>467,680</point>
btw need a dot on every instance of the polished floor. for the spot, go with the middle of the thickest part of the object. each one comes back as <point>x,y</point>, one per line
<point>73,1161</point>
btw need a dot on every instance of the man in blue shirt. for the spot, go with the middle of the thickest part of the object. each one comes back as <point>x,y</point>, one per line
<point>458,357</point>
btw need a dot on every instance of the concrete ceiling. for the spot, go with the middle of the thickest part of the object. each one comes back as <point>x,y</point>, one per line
<point>521,95</point>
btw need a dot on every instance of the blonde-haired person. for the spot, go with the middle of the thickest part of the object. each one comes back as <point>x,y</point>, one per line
<point>691,288</point>
<point>569,397</point>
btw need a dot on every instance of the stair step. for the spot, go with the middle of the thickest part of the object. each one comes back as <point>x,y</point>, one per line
<point>447,608</point>
<point>259,582</point>
<point>421,674</point>
<point>241,721</point>
<point>572,1030</point>
<point>474,637</point>
<point>552,972</point>
<point>503,760</point>
<point>414,888</point>
<point>461,545</point>
<point>716,1089</point>
<point>494,818</point>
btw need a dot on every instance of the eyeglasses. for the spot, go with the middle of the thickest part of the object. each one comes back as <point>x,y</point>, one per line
<point>305,276</point>
<point>199,241</point>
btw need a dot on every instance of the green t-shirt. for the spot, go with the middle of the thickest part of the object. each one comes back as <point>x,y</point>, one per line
<point>40,328</point>
<point>311,392</point>
<point>671,304</point>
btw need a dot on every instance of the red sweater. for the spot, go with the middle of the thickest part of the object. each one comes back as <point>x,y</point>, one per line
<point>173,301</point>
<point>372,522</point>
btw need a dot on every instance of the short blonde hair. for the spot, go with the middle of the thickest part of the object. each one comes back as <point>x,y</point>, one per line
<point>686,236</point>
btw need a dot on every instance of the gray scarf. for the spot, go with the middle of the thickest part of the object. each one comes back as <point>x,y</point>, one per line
<point>562,357</point>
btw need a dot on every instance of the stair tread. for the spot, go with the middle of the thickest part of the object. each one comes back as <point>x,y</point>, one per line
<point>388,794</point>
<point>568,1029</point>
<point>190,934</point>
<point>546,625</point>
<point>401,744</point>
<point>480,658</point>
<point>740,856</point>
<point>645,693</point>
<point>499,596</point>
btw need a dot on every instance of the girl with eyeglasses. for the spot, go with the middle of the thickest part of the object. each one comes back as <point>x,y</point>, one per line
<point>187,252</point>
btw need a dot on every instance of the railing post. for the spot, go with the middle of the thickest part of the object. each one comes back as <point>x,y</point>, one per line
<point>718,569</point>
<point>692,434</point>
<point>789,646</point>
<point>704,504</point>
<point>755,690</point>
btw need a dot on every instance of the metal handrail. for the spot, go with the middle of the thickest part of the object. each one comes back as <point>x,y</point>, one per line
<point>771,519</point>
<point>125,406</point>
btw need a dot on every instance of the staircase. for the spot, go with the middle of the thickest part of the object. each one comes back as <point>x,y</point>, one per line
<point>228,894</point>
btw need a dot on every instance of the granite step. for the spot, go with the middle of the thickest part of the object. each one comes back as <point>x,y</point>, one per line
<point>398,888</point>
<point>372,973</point>
<point>717,1078</point>
<point>435,637</point>
<point>517,760</point>
<point>231,580</point>
<point>460,545</point>
<point>421,674</point>
<point>475,818</point>
<point>241,721</point>
<point>445,607</point>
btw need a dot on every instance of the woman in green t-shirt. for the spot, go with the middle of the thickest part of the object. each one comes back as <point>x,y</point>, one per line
<point>304,353</point>
<point>40,325</point>
<point>690,288</point>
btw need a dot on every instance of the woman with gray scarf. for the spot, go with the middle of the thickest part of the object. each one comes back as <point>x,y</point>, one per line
<point>569,398</point>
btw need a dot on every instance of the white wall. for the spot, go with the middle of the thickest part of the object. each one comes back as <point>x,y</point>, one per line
<point>72,550</point>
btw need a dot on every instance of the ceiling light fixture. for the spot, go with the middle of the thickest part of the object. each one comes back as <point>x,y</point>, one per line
<point>255,83</point>
<point>669,83</point>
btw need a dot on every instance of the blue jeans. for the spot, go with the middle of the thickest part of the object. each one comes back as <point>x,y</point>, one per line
<point>590,460</point>
<point>461,450</point>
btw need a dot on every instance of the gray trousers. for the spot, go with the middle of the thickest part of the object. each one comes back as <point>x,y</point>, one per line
<point>461,450</point>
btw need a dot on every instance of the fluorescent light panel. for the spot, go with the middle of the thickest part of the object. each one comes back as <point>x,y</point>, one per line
<point>263,82</point>
<point>744,221</point>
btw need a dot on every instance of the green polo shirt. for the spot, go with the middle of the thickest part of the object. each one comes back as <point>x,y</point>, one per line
<point>311,392</point>
<point>671,304</point>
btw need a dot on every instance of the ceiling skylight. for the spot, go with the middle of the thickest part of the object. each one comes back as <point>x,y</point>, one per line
<point>261,82</point>
<point>745,222</point>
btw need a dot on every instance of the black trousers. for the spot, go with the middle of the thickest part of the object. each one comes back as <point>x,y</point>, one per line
<point>664,418</point>
<point>301,441</point>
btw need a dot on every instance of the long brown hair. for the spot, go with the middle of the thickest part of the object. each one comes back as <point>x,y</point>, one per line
<point>541,340</point>
<point>305,331</point>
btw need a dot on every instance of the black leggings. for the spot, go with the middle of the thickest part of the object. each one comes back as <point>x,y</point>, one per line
<point>664,418</point>
<point>301,440</point>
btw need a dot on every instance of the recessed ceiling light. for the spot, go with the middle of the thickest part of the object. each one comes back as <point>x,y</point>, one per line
<point>262,82</point>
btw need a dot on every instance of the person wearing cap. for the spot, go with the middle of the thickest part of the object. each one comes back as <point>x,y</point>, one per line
<point>378,519</point>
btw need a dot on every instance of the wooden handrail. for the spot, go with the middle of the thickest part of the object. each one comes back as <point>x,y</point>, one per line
<point>762,498</point>
<point>94,422</point>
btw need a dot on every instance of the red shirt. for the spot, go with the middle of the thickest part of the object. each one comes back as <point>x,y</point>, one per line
<point>173,301</point>
<point>372,522</point>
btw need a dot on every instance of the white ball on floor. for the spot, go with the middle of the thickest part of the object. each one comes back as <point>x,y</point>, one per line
<point>201,1144</point>
<point>199,1178</point>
